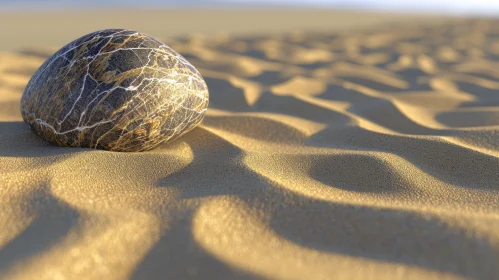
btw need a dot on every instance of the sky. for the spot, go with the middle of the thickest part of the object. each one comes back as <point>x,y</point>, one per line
<point>488,7</point>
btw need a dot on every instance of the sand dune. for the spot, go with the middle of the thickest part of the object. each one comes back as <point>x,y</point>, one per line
<point>324,155</point>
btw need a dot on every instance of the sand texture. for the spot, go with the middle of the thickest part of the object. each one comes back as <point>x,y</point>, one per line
<point>324,155</point>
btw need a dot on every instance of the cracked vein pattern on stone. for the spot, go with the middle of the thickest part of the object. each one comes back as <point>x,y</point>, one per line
<point>116,90</point>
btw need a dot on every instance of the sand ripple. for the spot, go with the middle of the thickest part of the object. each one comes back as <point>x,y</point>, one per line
<point>364,155</point>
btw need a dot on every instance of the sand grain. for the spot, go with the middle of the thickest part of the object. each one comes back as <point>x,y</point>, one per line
<point>324,155</point>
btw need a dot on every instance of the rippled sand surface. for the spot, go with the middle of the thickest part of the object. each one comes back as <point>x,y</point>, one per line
<point>324,155</point>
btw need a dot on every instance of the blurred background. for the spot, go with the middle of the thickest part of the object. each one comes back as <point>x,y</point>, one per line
<point>480,7</point>
<point>52,23</point>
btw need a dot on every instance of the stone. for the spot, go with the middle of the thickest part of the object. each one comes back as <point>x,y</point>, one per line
<point>117,90</point>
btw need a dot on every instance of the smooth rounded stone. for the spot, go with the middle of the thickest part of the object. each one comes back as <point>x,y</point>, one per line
<point>116,90</point>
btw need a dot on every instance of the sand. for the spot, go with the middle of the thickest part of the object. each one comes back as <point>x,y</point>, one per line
<point>336,153</point>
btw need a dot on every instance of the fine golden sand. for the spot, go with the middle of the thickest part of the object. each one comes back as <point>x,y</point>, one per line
<point>362,154</point>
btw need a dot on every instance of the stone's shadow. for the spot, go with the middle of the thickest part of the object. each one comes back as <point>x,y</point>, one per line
<point>17,140</point>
